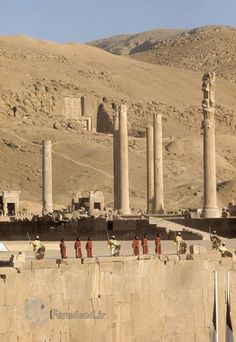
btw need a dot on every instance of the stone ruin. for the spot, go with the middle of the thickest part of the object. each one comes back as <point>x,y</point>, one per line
<point>74,110</point>
<point>9,203</point>
<point>89,201</point>
<point>88,112</point>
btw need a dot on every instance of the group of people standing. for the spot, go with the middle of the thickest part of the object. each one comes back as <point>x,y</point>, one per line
<point>113,244</point>
<point>78,248</point>
<point>144,244</point>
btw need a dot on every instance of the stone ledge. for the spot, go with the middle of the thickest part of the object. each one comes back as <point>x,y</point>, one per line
<point>41,264</point>
<point>226,261</point>
<point>163,258</point>
<point>69,262</point>
<point>173,257</point>
<point>146,257</point>
<point>111,259</point>
<point>183,257</point>
<point>88,260</point>
<point>26,265</point>
<point>7,270</point>
<point>214,256</point>
<point>131,257</point>
<point>197,249</point>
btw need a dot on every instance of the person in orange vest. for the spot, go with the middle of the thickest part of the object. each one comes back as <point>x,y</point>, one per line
<point>63,249</point>
<point>135,245</point>
<point>77,247</point>
<point>145,244</point>
<point>89,248</point>
<point>158,244</point>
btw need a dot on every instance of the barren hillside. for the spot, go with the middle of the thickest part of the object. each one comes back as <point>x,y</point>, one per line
<point>128,43</point>
<point>211,47</point>
<point>36,76</point>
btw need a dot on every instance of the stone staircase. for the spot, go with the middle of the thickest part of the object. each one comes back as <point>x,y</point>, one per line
<point>172,226</point>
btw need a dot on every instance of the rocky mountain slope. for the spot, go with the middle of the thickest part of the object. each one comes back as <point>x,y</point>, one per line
<point>205,48</point>
<point>128,44</point>
<point>35,78</point>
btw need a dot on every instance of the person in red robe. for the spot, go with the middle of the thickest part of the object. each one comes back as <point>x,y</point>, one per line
<point>158,244</point>
<point>63,249</point>
<point>89,248</point>
<point>77,247</point>
<point>135,246</point>
<point>145,244</point>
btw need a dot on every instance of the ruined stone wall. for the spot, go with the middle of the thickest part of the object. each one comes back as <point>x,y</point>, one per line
<point>104,118</point>
<point>143,300</point>
<point>96,228</point>
<point>224,227</point>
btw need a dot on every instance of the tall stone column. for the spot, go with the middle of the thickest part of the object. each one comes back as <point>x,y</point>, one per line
<point>150,169</point>
<point>47,177</point>
<point>158,165</point>
<point>116,171</point>
<point>123,162</point>
<point>210,208</point>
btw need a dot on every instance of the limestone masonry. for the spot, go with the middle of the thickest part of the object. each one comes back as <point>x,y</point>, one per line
<point>175,303</point>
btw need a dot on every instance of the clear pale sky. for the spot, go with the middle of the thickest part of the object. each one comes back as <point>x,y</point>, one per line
<point>85,20</point>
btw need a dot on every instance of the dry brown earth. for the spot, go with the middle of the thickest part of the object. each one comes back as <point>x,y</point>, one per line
<point>212,48</point>
<point>205,48</point>
<point>127,44</point>
<point>35,77</point>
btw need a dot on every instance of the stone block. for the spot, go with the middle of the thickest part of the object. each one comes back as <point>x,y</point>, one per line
<point>198,249</point>
<point>163,258</point>
<point>72,261</point>
<point>172,257</point>
<point>213,256</point>
<point>197,257</point>
<point>89,260</point>
<point>184,327</point>
<point>144,300</point>
<point>126,333</point>
<point>234,265</point>
<point>26,265</point>
<point>191,273</point>
<point>6,270</point>
<point>43,264</point>
<point>130,258</point>
<point>202,335</point>
<point>20,257</point>
<point>227,261</point>
<point>145,257</point>
<point>183,257</point>
<point>111,259</point>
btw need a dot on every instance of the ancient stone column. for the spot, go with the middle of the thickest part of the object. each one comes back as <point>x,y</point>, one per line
<point>150,169</point>
<point>123,162</point>
<point>47,177</point>
<point>210,208</point>
<point>158,165</point>
<point>116,171</point>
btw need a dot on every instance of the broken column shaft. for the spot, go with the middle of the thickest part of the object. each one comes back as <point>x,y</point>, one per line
<point>158,165</point>
<point>123,162</point>
<point>47,177</point>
